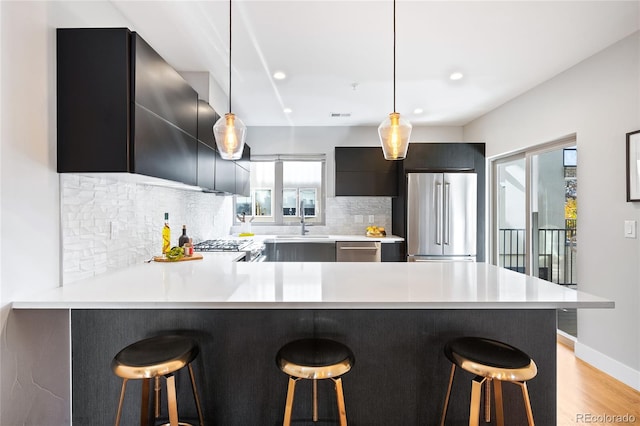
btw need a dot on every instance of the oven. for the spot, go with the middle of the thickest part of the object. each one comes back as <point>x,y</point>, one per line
<point>252,249</point>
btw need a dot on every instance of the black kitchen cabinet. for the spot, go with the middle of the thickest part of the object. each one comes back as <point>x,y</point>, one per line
<point>300,252</point>
<point>243,181</point>
<point>162,150</point>
<point>121,108</point>
<point>363,171</point>
<point>442,156</point>
<point>225,175</point>
<point>393,252</point>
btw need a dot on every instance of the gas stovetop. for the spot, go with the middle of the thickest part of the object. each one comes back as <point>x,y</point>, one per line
<point>222,245</point>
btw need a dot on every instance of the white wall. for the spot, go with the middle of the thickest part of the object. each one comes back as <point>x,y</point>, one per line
<point>599,101</point>
<point>29,206</point>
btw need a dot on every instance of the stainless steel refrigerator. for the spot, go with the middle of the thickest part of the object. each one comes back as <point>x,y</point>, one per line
<point>441,216</point>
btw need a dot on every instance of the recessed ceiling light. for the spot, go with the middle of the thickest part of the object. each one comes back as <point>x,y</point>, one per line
<point>456,76</point>
<point>287,110</point>
<point>279,75</point>
<point>418,111</point>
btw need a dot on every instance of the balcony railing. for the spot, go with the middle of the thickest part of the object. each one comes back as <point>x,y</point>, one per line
<point>556,253</point>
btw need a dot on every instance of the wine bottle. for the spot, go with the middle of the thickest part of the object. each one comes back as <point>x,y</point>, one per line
<point>183,238</point>
<point>166,235</point>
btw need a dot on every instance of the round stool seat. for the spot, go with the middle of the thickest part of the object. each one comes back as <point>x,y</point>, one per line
<point>315,358</point>
<point>490,358</point>
<point>156,356</point>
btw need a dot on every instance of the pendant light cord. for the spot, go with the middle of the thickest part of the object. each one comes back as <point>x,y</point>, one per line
<point>394,55</point>
<point>230,56</point>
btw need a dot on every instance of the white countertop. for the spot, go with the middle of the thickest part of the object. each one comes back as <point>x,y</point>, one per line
<point>218,282</point>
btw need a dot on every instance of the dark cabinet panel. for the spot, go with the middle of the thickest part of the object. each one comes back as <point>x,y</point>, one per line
<point>442,156</point>
<point>366,183</point>
<point>162,150</point>
<point>393,252</point>
<point>243,182</point>
<point>225,174</point>
<point>300,252</point>
<point>93,100</point>
<point>363,171</point>
<point>207,117</point>
<point>206,166</point>
<point>159,88</point>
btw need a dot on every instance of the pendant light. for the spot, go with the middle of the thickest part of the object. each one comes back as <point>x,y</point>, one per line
<point>230,131</point>
<point>394,132</point>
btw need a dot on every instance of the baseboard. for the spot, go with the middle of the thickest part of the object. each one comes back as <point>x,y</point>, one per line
<point>566,339</point>
<point>608,365</point>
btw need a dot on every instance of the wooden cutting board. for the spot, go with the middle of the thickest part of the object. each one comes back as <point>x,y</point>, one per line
<point>195,256</point>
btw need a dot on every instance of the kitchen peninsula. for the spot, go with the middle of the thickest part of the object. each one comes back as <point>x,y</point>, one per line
<point>396,318</point>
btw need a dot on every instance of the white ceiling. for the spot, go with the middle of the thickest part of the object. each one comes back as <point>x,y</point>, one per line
<point>503,48</point>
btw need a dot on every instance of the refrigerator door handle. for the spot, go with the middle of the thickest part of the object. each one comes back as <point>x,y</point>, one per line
<point>446,214</point>
<point>438,213</point>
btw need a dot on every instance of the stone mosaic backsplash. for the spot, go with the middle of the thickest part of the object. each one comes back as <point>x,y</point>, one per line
<point>109,224</point>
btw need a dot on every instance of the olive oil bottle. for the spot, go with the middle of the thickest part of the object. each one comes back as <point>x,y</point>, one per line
<point>166,235</point>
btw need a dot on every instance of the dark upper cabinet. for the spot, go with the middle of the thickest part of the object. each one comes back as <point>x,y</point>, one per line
<point>160,89</point>
<point>364,171</point>
<point>162,150</point>
<point>121,108</point>
<point>225,175</point>
<point>442,156</point>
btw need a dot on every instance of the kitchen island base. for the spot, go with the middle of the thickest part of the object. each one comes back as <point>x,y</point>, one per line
<point>400,375</point>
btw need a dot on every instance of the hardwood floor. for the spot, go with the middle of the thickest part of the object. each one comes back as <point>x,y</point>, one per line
<point>586,395</point>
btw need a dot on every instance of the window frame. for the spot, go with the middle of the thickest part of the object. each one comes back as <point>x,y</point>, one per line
<point>277,216</point>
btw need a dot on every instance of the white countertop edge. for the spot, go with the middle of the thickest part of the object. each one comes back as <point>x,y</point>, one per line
<point>603,304</point>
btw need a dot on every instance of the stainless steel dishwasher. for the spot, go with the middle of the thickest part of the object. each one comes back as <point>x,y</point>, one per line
<point>358,251</point>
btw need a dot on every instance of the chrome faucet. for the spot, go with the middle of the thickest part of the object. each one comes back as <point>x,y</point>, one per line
<point>304,229</point>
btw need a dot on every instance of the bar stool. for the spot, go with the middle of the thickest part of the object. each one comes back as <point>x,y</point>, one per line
<point>151,358</point>
<point>491,361</point>
<point>315,359</point>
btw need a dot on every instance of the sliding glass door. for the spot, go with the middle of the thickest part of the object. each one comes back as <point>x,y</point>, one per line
<point>535,204</point>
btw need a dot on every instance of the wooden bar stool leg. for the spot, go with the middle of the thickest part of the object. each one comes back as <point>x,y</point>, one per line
<point>476,394</point>
<point>289,406</point>
<point>156,390</point>
<point>497,390</point>
<point>315,400</point>
<point>446,399</point>
<point>527,402</point>
<point>171,399</point>
<point>195,395</point>
<point>342,412</point>
<point>119,413</point>
<point>144,405</point>
<point>487,401</point>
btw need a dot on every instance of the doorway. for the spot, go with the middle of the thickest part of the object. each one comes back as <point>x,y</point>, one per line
<point>535,195</point>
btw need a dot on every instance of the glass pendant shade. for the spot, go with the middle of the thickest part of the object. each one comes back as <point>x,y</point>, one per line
<point>230,132</point>
<point>394,135</point>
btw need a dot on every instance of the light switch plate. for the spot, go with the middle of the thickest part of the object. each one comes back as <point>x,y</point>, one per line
<point>371,218</point>
<point>358,218</point>
<point>630,229</point>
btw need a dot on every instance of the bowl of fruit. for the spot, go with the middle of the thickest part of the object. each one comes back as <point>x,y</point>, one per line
<point>376,231</point>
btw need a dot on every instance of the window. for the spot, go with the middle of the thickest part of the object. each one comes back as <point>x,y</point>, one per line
<point>284,188</point>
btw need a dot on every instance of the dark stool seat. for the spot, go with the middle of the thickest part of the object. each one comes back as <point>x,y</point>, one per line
<point>494,362</point>
<point>315,359</point>
<point>151,359</point>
